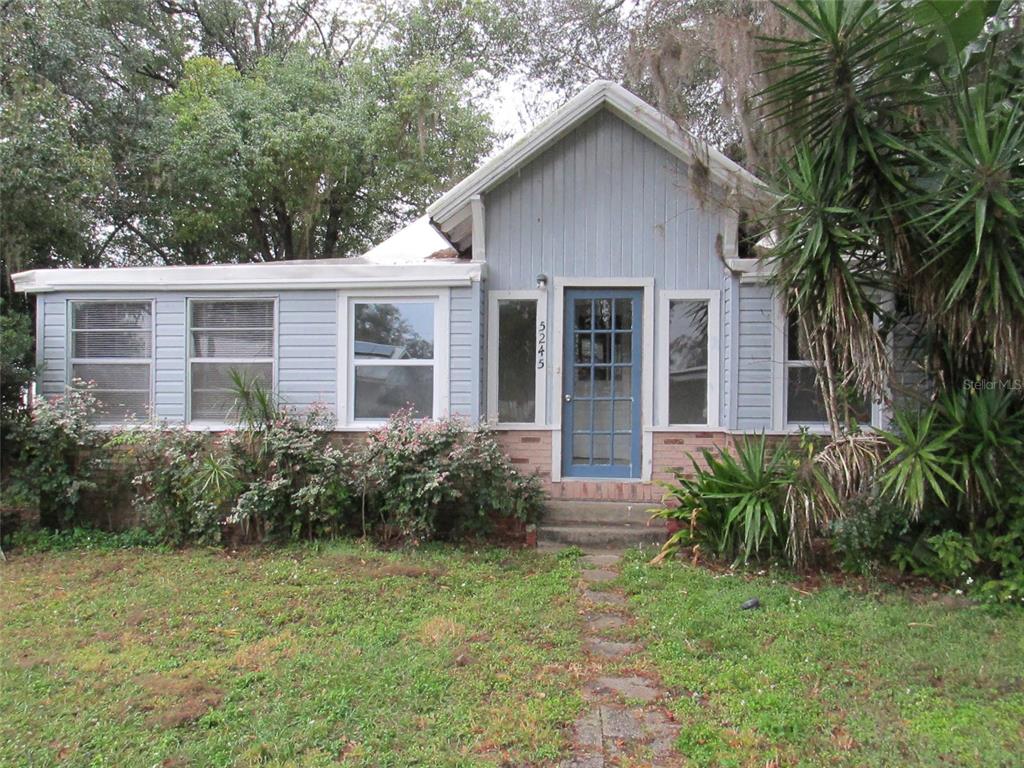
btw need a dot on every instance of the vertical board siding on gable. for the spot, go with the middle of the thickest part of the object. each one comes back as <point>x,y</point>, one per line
<point>604,201</point>
<point>464,354</point>
<point>754,372</point>
<point>307,359</point>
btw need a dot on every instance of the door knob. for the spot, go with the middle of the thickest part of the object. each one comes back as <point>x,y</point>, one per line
<point>568,398</point>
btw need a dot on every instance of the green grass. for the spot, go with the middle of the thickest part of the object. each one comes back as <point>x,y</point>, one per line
<point>304,656</point>
<point>341,655</point>
<point>832,677</point>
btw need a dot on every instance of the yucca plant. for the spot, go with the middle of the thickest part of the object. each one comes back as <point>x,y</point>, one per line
<point>733,503</point>
<point>920,460</point>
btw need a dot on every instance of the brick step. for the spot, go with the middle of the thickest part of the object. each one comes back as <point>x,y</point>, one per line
<point>584,490</point>
<point>599,537</point>
<point>562,511</point>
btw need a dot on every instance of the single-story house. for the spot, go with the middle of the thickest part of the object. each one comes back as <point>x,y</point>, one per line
<point>581,291</point>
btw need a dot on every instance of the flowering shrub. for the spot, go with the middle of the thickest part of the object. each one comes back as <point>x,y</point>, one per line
<point>281,479</point>
<point>297,483</point>
<point>53,463</point>
<point>439,479</point>
<point>173,493</point>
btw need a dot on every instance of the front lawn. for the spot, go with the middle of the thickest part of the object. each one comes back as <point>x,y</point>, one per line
<point>339,654</point>
<point>305,656</point>
<point>830,677</point>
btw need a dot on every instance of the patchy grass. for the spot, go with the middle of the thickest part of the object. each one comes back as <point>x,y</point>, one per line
<point>307,656</point>
<point>830,677</point>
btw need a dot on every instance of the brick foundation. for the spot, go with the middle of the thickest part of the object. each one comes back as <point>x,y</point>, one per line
<point>530,450</point>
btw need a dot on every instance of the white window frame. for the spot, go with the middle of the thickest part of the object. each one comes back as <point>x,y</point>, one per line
<point>542,340</point>
<point>780,381</point>
<point>714,300</point>
<point>71,360</point>
<point>191,358</point>
<point>441,301</point>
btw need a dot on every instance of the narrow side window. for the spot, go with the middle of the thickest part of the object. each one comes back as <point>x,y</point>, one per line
<point>688,361</point>
<point>517,361</point>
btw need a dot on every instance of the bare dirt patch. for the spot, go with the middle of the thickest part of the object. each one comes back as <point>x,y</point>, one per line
<point>178,699</point>
<point>361,567</point>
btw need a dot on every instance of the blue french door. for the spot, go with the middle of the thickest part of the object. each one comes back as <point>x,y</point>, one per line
<point>601,425</point>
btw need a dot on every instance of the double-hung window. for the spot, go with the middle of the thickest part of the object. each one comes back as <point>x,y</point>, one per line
<point>517,344</point>
<point>804,403</point>
<point>230,341</point>
<point>111,348</point>
<point>690,373</point>
<point>393,357</point>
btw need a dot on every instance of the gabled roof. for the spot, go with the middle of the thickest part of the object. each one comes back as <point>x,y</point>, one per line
<point>451,212</point>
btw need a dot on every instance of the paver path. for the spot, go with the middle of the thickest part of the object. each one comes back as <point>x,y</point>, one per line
<point>624,723</point>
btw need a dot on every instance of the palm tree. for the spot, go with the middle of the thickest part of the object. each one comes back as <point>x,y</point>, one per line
<point>904,187</point>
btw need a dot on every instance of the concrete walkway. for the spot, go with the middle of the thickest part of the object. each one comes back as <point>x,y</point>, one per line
<point>624,723</point>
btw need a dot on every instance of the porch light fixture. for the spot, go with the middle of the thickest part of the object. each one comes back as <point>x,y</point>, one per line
<point>542,281</point>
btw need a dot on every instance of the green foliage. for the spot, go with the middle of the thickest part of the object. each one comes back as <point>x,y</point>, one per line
<point>17,365</point>
<point>428,479</point>
<point>864,536</point>
<point>283,481</point>
<point>965,452</point>
<point>958,466</point>
<point>53,462</point>
<point>919,461</point>
<point>174,491</point>
<point>32,542</point>
<point>907,175</point>
<point>227,130</point>
<point>295,483</point>
<point>735,504</point>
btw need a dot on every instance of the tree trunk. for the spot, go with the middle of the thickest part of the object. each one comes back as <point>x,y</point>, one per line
<point>333,221</point>
<point>284,228</point>
<point>259,231</point>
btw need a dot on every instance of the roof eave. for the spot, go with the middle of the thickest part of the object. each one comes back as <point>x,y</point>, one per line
<point>249,277</point>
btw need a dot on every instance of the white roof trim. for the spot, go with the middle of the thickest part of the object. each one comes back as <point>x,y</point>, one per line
<point>751,270</point>
<point>634,110</point>
<point>237,277</point>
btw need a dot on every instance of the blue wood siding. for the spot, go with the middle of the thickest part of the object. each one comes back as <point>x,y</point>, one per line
<point>53,360</point>
<point>464,351</point>
<point>307,344</point>
<point>169,377</point>
<point>754,339</point>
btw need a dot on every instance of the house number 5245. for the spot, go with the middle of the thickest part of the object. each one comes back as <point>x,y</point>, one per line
<point>542,340</point>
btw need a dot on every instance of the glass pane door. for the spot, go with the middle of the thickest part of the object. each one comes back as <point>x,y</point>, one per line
<point>601,416</point>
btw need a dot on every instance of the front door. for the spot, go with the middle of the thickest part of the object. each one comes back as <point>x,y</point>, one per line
<point>601,380</point>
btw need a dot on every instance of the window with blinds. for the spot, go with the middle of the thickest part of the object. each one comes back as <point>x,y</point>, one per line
<point>228,338</point>
<point>111,350</point>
